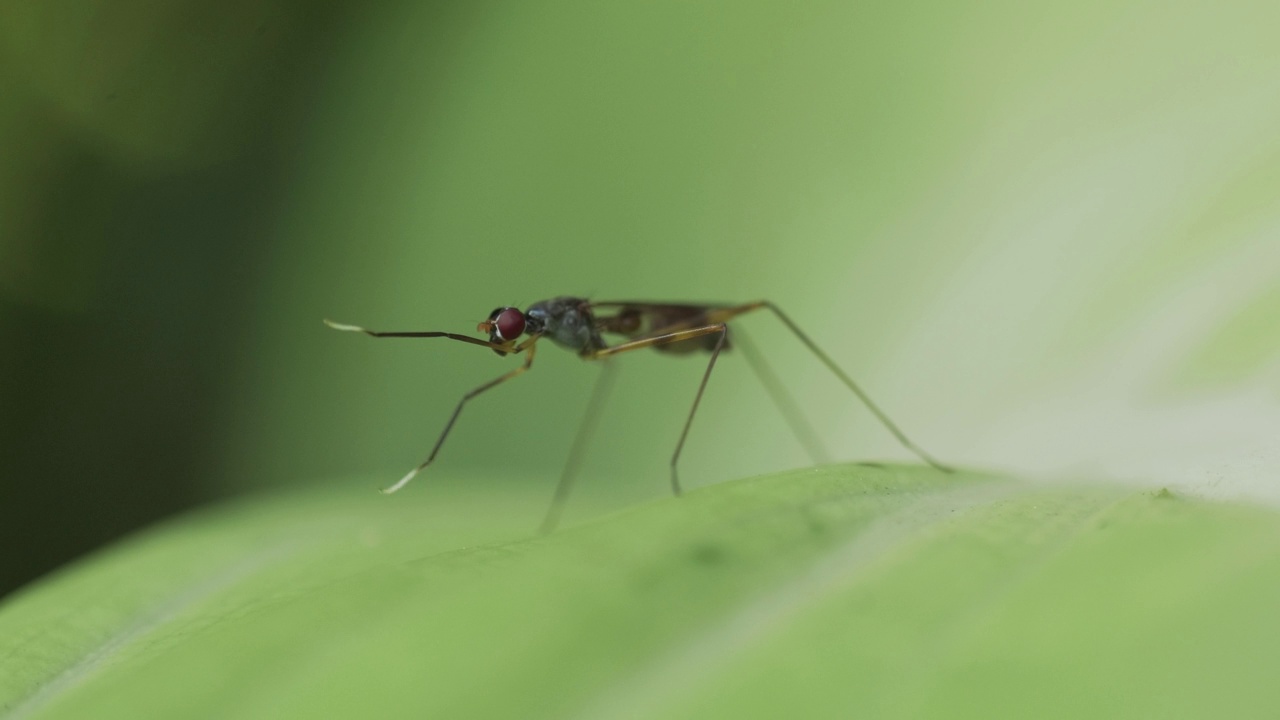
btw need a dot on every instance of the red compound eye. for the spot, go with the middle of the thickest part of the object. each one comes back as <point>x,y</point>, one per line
<point>509,323</point>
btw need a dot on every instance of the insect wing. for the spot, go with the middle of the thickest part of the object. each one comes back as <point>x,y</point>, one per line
<point>637,320</point>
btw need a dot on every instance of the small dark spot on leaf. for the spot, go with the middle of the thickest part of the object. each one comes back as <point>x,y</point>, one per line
<point>1164,494</point>
<point>816,525</point>
<point>709,554</point>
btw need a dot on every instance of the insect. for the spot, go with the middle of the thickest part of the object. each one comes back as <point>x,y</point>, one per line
<point>580,325</point>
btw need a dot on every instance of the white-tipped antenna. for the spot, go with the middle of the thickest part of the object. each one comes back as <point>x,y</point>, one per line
<point>347,328</point>
<point>402,481</point>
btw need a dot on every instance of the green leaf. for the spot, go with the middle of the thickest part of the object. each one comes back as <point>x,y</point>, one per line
<point>833,592</point>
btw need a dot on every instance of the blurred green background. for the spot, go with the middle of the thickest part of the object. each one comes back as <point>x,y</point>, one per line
<point>1046,237</point>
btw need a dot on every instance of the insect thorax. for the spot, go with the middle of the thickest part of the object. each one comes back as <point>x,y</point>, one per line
<point>566,321</point>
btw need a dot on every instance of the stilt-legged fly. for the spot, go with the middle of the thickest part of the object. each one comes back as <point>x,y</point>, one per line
<point>579,325</point>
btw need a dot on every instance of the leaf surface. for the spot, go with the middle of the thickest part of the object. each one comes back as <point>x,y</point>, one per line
<point>879,591</point>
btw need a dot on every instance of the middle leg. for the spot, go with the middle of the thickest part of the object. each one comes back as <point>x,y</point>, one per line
<point>674,337</point>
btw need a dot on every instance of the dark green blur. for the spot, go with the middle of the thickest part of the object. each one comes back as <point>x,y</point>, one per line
<point>146,148</point>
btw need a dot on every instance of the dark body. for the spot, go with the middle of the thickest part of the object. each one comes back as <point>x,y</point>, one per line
<point>577,324</point>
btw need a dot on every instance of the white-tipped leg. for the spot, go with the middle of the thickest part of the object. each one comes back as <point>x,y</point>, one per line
<point>347,328</point>
<point>402,481</point>
<point>528,361</point>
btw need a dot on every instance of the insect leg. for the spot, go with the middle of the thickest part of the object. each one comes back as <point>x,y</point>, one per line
<point>598,394</point>
<point>673,337</point>
<point>724,314</point>
<point>849,383</point>
<point>528,361</point>
<point>715,353</point>
<point>786,404</point>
